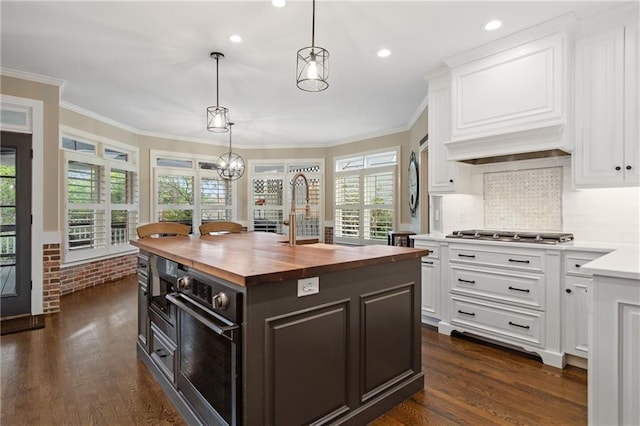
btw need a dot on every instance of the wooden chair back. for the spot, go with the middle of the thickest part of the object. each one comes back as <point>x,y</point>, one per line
<point>162,229</point>
<point>220,226</point>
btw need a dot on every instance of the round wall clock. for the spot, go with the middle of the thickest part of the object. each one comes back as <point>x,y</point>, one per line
<point>413,183</point>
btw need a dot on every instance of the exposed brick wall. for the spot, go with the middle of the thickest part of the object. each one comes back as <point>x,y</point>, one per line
<point>51,277</point>
<point>328,235</point>
<point>78,277</point>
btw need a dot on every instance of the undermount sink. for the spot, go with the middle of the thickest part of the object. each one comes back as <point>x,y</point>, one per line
<point>301,241</point>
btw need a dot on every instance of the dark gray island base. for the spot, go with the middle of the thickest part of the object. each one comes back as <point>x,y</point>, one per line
<point>343,355</point>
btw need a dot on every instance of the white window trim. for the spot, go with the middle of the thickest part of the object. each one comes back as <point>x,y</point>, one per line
<point>361,205</point>
<point>287,191</point>
<point>194,171</point>
<point>110,250</point>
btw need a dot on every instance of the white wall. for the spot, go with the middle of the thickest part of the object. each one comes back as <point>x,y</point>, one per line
<point>607,215</point>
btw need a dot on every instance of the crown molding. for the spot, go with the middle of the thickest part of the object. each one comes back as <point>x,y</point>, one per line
<point>87,113</point>
<point>37,78</point>
<point>418,112</point>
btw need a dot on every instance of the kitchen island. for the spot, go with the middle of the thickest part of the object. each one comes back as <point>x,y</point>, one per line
<point>323,334</point>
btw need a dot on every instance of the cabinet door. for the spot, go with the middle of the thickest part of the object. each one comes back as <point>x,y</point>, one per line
<point>431,288</point>
<point>631,107</point>
<point>442,177</point>
<point>576,314</point>
<point>599,156</point>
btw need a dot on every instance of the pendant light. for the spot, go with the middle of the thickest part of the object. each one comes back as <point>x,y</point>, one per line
<point>217,116</point>
<point>312,69</point>
<point>230,165</point>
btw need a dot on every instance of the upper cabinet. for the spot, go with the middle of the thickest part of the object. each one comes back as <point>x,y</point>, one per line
<point>444,176</point>
<point>607,93</point>
<point>510,96</point>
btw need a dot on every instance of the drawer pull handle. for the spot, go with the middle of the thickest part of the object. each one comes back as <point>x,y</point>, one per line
<point>472,314</point>
<point>426,262</point>
<point>578,265</point>
<point>467,255</point>
<point>466,281</point>
<point>524,290</point>
<point>518,325</point>
<point>518,261</point>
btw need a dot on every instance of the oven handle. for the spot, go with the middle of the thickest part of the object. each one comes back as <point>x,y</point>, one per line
<point>224,330</point>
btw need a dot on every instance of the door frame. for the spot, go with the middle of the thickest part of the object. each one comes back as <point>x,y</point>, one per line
<point>35,126</point>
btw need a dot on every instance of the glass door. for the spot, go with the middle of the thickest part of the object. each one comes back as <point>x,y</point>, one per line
<point>15,224</point>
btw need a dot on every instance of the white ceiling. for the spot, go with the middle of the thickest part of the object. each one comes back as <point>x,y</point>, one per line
<point>146,64</point>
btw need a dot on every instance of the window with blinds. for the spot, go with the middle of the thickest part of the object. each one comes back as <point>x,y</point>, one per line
<point>271,190</point>
<point>190,191</point>
<point>101,197</point>
<point>365,197</point>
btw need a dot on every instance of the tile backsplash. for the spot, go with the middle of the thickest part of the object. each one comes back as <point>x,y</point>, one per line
<point>523,200</point>
<point>600,215</point>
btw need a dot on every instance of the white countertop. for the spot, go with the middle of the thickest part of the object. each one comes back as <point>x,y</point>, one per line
<point>596,246</point>
<point>623,263</point>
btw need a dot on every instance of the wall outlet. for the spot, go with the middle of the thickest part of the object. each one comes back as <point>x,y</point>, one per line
<point>308,286</point>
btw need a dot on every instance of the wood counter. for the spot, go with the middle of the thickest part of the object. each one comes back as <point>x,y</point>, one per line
<point>252,258</point>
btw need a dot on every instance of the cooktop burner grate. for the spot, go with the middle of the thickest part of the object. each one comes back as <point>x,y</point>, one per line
<point>513,236</point>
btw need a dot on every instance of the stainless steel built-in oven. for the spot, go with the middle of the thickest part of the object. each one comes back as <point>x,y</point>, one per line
<point>209,346</point>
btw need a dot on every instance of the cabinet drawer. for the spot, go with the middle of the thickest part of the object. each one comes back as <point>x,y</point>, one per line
<point>162,352</point>
<point>516,288</point>
<point>434,248</point>
<point>574,261</point>
<point>529,260</point>
<point>498,321</point>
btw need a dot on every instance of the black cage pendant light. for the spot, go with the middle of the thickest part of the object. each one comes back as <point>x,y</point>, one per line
<point>312,70</point>
<point>217,116</point>
<point>230,165</point>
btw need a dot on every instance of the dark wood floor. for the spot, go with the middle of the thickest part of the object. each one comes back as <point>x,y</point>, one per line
<point>82,369</point>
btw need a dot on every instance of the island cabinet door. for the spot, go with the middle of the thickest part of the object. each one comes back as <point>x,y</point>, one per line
<point>387,333</point>
<point>306,355</point>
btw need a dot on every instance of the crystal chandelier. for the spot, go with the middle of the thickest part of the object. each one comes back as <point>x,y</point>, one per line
<point>230,165</point>
<point>217,116</point>
<point>312,69</point>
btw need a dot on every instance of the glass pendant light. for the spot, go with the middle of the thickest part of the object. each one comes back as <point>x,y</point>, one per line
<point>230,165</point>
<point>217,116</point>
<point>312,68</point>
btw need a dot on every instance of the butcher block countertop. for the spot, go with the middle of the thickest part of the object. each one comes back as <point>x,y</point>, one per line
<point>252,258</point>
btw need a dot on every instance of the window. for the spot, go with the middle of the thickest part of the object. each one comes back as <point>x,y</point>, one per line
<point>101,197</point>
<point>271,193</point>
<point>189,190</point>
<point>365,196</point>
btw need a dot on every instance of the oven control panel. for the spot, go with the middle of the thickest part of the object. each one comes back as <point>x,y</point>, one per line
<point>208,292</point>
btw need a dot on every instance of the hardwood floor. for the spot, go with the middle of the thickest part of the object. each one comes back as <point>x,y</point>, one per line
<point>82,369</point>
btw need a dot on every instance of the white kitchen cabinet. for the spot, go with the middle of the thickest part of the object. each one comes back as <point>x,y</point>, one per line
<point>575,331</point>
<point>614,371</point>
<point>430,307</point>
<point>508,294</point>
<point>607,96</point>
<point>444,176</point>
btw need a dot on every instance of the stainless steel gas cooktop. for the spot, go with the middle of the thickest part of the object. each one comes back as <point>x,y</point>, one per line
<point>513,236</point>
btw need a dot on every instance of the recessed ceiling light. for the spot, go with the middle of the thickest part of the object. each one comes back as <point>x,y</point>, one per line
<point>493,25</point>
<point>279,3</point>
<point>383,53</point>
<point>235,38</point>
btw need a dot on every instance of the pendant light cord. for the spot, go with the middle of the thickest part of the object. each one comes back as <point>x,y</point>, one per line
<point>313,24</point>
<point>217,83</point>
